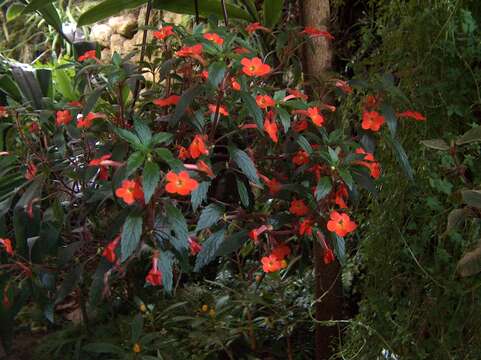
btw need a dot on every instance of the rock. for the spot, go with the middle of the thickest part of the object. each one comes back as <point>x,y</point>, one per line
<point>106,55</point>
<point>101,33</point>
<point>125,25</point>
<point>117,43</point>
<point>177,19</point>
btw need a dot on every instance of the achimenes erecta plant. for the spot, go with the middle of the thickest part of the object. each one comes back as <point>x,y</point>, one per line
<point>223,152</point>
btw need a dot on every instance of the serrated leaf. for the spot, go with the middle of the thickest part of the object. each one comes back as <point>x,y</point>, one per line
<point>143,132</point>
<point>209,249</point>
<point>304,144</point>
<point>232,243</point>
<point>199,194</point>
<point>252,109</point>
<point>243,193</point>
<point>347,177</point>
<point>150,179</point>
<point>245,163</point>
<point>401,157</point>
<point>134,162</point>
<point>179,226</point>
<point>161,138</point>
<point>128,136</point>
<point>436,144</point>
<point>165,264</point>
<point>131,233</point>
<point>216,73</point>
<point>323,188</point>
<point>209,216</point>
<point>285,118</point>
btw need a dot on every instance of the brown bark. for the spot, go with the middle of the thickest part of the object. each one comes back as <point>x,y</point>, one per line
<point>317,61</point>
<point>318,58</point>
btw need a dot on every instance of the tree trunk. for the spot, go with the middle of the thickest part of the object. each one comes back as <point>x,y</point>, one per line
<point>317,61</point>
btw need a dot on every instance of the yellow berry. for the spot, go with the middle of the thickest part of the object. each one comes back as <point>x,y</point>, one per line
<point>205,308</point>
<point>143,308</point>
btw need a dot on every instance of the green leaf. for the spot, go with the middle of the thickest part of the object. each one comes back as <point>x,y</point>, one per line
<point>51,16</point>
<point>103,348</point>
<point>206,8</point>
<point>243,192</point>
<point>470,263</point>
<point>128,136</point>
<point>340,248</point>
<point>323,188</point>
<point>69,284</point>
<point>134,162</point>
<point>216,73</point>
<point>209,216</point>
<point>167,156</point>
<point>272,12</point>
<point>304,144</point>
<point>106,9</point>
<point>436,144</point>
<point>472,198</point>
<point>389,114</point>
<point>199,194</point>
<point>92,100</point>
<point>14,11</point>
<point>143,132</point>
<point>131,233</point>
<point>162,137</point>
<point>179,226</point>
<point>137,327</point>
<point>166,261</point>
<point>245,163</point>
<point>232,243</point>
<point>347,177</point>
<point>10,88</point>
<point>27,82</point>
<point>64,84</point>
<point>473,135</point>
<point>37,5</point>
<point>209,249</point>
<point>253,109</point>
<point>285,118</point>
<point>150,179</point>
<point>401,157</point>
<point>184,102</point>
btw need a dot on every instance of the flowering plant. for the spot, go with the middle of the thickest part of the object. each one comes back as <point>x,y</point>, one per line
<point>224,151</point>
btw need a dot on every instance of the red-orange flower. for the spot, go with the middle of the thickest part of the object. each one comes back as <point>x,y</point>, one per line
<point>164,32</point>
<point>241,50</point>
<point>87,121</point>
<point>7,245</point>
<point>205,168</point>
<point>372,120</point>
<point>74,103</point>
<point>265,101</point>
<point>305,227</point>
<point>316,117</point>
<point>31,171</point>
<point>281,251</point>
<point>298,208</point>
<point>314,32</point>
<point>341,224</point>
<point>344,86</point>
<point>214,38</point>
<point>300,158</point>
<point>109,251</point>
<point>3,112</point>
<point>180,183</point>
<point>194,52</point>
<point>198,147</point>
<point>103,163</point>
<point>270,126</point>
<point>300,125</point>
<point>341,196</point>
<point>222,109</point>
<point>255,233</point>
<point>168,101</point>
<point>183,152</point>
<point>91,54</point>
<point>328,256</point>
<point>273,185</point>
<point>256,26</point>
<point>412,115</point>
<point>255,67</point>
<point>204,74</point>
<point>130,191</point>
<point>194,246</point>
<point>295,94</point>
<point>154,277</point>
<point>371,102</point>
<point>63,117</point>
<point>369,162</point>
<point>271,264</point>
<point>235,84</point>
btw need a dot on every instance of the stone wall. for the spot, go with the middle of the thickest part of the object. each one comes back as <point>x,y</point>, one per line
<point>123,33</point>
